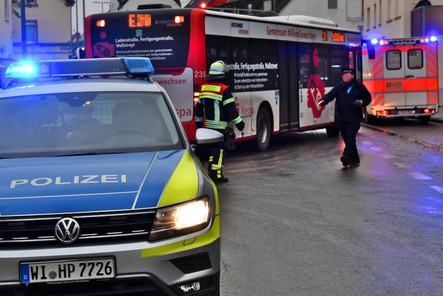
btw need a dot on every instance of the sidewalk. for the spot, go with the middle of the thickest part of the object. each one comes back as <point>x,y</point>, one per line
<point>439,116</point>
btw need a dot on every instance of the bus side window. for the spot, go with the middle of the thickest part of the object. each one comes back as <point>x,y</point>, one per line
<point>340,57</point>
<point>415,59</point>
<point>322,68</point>
<point>217,49</point>
<point>304,64</point>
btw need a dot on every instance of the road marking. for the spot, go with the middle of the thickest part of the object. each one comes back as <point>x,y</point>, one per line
<point>385,155</point>
<point>367,142</point>
<point>375,148</point>
<point>402,165</point>
<point>419,176</point>
<point>438,189</point>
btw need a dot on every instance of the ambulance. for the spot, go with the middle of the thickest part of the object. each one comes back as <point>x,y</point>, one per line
<point>402,76</point>
<point>101,192</point>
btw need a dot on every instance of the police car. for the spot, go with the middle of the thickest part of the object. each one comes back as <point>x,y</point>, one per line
<point>100,190</point>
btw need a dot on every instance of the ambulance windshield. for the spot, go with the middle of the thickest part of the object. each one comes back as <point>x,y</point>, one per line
<point>86,123</point>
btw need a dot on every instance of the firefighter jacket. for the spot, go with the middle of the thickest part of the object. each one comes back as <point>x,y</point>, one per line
<point>346,96</point>
<point>217,105</point>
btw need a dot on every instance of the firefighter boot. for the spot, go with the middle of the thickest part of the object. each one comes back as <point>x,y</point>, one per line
<point>217,177</point>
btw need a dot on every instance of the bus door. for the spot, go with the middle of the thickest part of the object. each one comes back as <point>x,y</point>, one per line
<point>288,85</point>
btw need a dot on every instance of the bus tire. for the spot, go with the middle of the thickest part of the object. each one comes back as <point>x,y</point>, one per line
<point>264,129</point>
<point>333,130</point>
<point>368,119</point>
<point>424,119</point>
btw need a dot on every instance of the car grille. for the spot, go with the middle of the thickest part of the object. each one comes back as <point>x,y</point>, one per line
<point>110,227</point>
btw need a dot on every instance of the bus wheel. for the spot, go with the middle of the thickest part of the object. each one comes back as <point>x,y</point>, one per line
<point>333,131</point>
<point>368,119</point>
<point>264,129</point>
<point>424,119</point>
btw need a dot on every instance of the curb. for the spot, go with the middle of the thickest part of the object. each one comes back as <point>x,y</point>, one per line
<point>411,139</point>
<point>436,119</point>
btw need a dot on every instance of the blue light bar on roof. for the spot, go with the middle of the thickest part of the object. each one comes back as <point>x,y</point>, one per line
<point>84,67</point>
<point>24,69</point>
<point>138,65</point>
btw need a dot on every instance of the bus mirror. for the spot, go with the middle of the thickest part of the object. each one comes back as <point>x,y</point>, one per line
<point>371,51</point>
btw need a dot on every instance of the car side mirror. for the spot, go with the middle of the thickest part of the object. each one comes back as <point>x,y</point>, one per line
<point>207,139</point>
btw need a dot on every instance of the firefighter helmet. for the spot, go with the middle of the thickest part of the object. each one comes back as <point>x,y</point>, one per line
<point>217,69</point>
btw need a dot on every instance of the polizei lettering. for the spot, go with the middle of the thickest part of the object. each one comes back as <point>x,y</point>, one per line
<point>84,179</point>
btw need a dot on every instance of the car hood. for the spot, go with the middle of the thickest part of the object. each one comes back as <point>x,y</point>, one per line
<point>30,186</point>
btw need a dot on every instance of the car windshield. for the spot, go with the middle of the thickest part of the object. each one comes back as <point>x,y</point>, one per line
<point>86,123</point>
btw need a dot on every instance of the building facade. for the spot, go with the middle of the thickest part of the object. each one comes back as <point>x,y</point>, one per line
<point>345,13</point>
<point>6,51</point>
<point>389,18</point>
<point>48,29</point>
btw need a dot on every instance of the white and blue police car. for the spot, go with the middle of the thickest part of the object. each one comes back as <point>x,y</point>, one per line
<point>100,191</point>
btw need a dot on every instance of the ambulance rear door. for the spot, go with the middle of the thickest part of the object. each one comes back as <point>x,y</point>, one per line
<point>394,73</point>
<point>415,82</point>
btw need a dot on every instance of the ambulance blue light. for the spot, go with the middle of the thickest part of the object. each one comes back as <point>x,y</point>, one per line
<point>25,69</point>
<point>433,38</point>
<point>139,65</point>
<point>374,41</point>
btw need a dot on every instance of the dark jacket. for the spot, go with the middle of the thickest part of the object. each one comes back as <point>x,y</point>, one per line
<point>346,108</point>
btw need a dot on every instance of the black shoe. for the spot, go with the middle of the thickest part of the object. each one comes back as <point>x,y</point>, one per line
<point>345,161</point>
<point>354,161</point>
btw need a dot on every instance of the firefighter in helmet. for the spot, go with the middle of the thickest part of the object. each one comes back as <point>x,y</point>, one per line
<point>216,110</point>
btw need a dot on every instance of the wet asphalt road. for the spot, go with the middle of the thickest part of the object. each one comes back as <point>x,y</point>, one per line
<point>295,223</point>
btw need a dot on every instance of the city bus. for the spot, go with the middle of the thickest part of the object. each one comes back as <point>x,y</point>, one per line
<point>279,67</point>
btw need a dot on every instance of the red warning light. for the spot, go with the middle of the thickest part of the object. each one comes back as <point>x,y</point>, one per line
<point>426,111</point>
<point>101,23</point>
<point>203,5</point>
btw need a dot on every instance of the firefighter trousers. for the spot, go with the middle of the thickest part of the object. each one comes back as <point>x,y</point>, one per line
<point>216,160</point>
<point>349,130</point>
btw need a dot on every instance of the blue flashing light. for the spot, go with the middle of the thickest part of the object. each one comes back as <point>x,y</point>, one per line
<point>374,41</point>
<point>139,65</point>
<point>432,38</point>
<point>23,70</point>
<point>28,70</point>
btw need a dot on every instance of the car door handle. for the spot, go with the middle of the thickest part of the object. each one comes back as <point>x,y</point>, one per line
<point>409,76</point>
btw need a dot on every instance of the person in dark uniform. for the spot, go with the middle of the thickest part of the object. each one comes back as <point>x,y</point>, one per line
<point>351,97</point>
<point>216,109</point>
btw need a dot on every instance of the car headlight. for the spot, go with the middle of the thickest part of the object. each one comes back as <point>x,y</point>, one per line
<point>181,219</point>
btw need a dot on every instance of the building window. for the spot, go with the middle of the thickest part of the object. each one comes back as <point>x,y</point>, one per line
<point>388,18</point>
<point>332,4</point>
<point>368,19</point>
<point>375,14</point>
<point>7,11</point>
<point>379,13</point>
<point>31,31</point>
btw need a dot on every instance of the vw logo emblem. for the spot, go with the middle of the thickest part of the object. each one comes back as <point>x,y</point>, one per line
<point>67,230</point>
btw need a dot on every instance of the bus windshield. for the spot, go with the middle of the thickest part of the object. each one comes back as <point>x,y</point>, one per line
<point>86,123</point>
<point>162,36</point>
